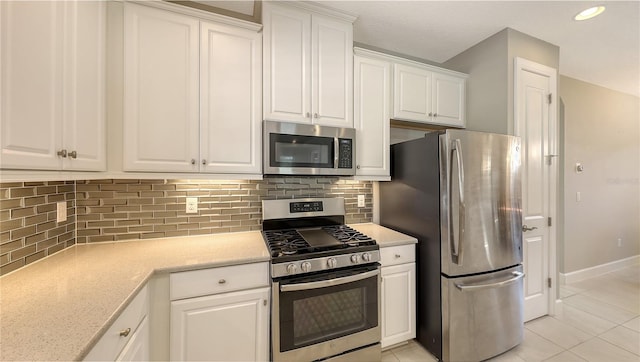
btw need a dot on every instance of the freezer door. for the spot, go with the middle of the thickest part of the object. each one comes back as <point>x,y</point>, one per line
<point>482,316</point>
<point>480,202</point>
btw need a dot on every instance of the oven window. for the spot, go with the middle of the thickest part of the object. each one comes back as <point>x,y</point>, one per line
<point>317,315</point>
<point>300,151</point>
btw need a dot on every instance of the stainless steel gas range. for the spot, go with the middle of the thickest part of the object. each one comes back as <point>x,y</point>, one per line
<point>325,283</point>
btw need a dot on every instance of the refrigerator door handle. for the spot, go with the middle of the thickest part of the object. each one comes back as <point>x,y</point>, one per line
<point>516,276</point>
<point>456,243</point>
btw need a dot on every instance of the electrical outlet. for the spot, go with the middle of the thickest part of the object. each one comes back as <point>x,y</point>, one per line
<point>61,212</point>
<point>192,205</point>
<point>360,200</point>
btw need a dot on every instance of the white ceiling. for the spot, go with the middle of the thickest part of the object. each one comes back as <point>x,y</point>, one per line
<point>604,50</point>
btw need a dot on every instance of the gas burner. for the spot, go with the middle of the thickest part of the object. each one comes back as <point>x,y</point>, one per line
<point>348,235</point>
<point>284,242</point>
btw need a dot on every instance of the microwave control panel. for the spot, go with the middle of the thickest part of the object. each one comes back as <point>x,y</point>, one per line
<point>345,153</point>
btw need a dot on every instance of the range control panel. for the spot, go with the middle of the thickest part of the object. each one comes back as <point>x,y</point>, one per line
<point>312,206</point>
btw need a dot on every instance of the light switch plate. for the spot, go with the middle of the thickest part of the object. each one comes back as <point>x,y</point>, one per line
<point>192,205</point>
<point>61,211</point>
<point>360,200</point>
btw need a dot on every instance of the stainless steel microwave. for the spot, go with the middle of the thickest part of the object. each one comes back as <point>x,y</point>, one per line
<point>304,149</point>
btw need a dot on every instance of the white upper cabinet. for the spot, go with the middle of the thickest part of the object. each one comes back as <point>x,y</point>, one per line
<point>52,85</point>
<point>308,65</point>
<point>161,120</point>
<point>372,101</point>
<point>230,99</point>
<point>191,93</point>
<point>428,94</point>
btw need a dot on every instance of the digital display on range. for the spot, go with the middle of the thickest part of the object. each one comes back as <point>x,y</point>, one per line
<point>305,206</point>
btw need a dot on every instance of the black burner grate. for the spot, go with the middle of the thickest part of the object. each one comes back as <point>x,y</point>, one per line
<point>284,242</point>
<point>348,235</point>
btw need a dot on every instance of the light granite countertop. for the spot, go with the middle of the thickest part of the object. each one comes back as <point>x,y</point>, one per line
<point>59,307</point>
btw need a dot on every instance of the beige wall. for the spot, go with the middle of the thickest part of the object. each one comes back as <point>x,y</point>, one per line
<point>490,66</point>
<point>602,132</point>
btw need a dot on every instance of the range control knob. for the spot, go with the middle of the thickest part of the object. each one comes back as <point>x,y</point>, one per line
<point>306,267</point>
<point>292,268</point>
<point>366,257</point>
<point>331,262</point>
<point>355,258</point>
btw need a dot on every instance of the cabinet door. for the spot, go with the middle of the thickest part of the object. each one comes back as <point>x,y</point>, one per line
<point>31,37</point>
<point>448,100</point>
<point>411,93</point>
<point>371,115</point>
<point>137,349</point>
<point>398,303</point>
<point>287,64</point>
<point>161,120</point>
<point>223,327</point>
<point>332,71</point>
<point>84,114</point>
<point>230,103</point>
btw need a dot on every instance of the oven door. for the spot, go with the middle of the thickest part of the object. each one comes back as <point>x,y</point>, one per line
<point>326,314</point>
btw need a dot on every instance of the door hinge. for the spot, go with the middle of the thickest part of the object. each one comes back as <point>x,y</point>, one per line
<point>549,282</point>
<point>549,221</point>
<point>550,97</point>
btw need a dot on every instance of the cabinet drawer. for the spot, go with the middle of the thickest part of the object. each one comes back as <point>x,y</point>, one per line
<point>393,255</point>
<point>218,280</point>
<point>114,340</point>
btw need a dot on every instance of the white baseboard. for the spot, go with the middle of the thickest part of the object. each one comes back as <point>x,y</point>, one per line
<point>597,270</point>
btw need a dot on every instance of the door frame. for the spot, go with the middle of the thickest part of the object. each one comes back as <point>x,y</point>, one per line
<point>552,156</point>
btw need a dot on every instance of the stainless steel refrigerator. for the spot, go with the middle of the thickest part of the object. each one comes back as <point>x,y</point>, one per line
<point>459,193</point>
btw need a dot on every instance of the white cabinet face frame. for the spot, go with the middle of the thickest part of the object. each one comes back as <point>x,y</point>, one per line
<point>223,327</point>
<point>398,303</point>
<point>230,99</point>
<point>161,93</point>
<point>308,67</point>
<point>287,64</point>
<point>53,90</point>
<point>332,70</point>
<point>412,93</point>
<point>371,115</point>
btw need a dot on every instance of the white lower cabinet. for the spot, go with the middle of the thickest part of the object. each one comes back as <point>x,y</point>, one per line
<point>128,337</point>
<point>398,294</point>
<point>223,323</point>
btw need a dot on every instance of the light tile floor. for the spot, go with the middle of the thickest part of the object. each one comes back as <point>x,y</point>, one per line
<point>600,321</point>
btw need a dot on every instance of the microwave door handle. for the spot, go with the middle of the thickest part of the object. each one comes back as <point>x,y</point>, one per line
<point>328,283</point>
<point>336,149</point>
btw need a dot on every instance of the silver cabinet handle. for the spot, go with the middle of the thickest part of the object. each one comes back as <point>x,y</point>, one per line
<point>397,256</point>
<point>308,115</point>
<point>73,154</point>
<point>193,161</point>
<point>315,115</point>
<point>526,228</point>
<point>204,162</point>
<point>62,153</point>
<point>516,276</point>
<point>430,114</point>
<point>222,281</point>
<point>435,115</point>
<point>358,167</point>
<point>125,332</point>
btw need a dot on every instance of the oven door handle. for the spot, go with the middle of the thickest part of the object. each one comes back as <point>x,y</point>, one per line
<point>328,283</point>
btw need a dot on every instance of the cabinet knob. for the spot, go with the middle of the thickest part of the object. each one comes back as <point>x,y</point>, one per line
<point>315,115</point>
<point>73,154</point>
<point>62,153</point>
<point>430,114</point>
<point>435,115</point>
<point>193,161</point>
<point>204,162</point>
<point>222,281</point>
<point>358,167</point>
<point>308,115</point>
<point>125,332</point>
<point>397,256</point>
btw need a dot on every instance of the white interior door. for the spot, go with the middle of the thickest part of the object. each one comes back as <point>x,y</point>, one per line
<point>535,124</point>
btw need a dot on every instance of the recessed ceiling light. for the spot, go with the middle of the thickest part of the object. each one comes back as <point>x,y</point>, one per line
<point>589,13</point>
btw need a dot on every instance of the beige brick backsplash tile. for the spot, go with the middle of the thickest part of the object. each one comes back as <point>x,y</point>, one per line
<point>46,207</point>
<point>9,225</point>
<point>55,198</point>
<point>130,222</point>
<point>22,252</point>
<point>119,230</point>
<point>10,246</point>
<point>8,268</point>
<point>46,244</point>
<point>10,204</point>
<point>101,238</point>
<point>34,257</point>
<point>116,215</point>
<point>25,231</point>
<point>140,229</point>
